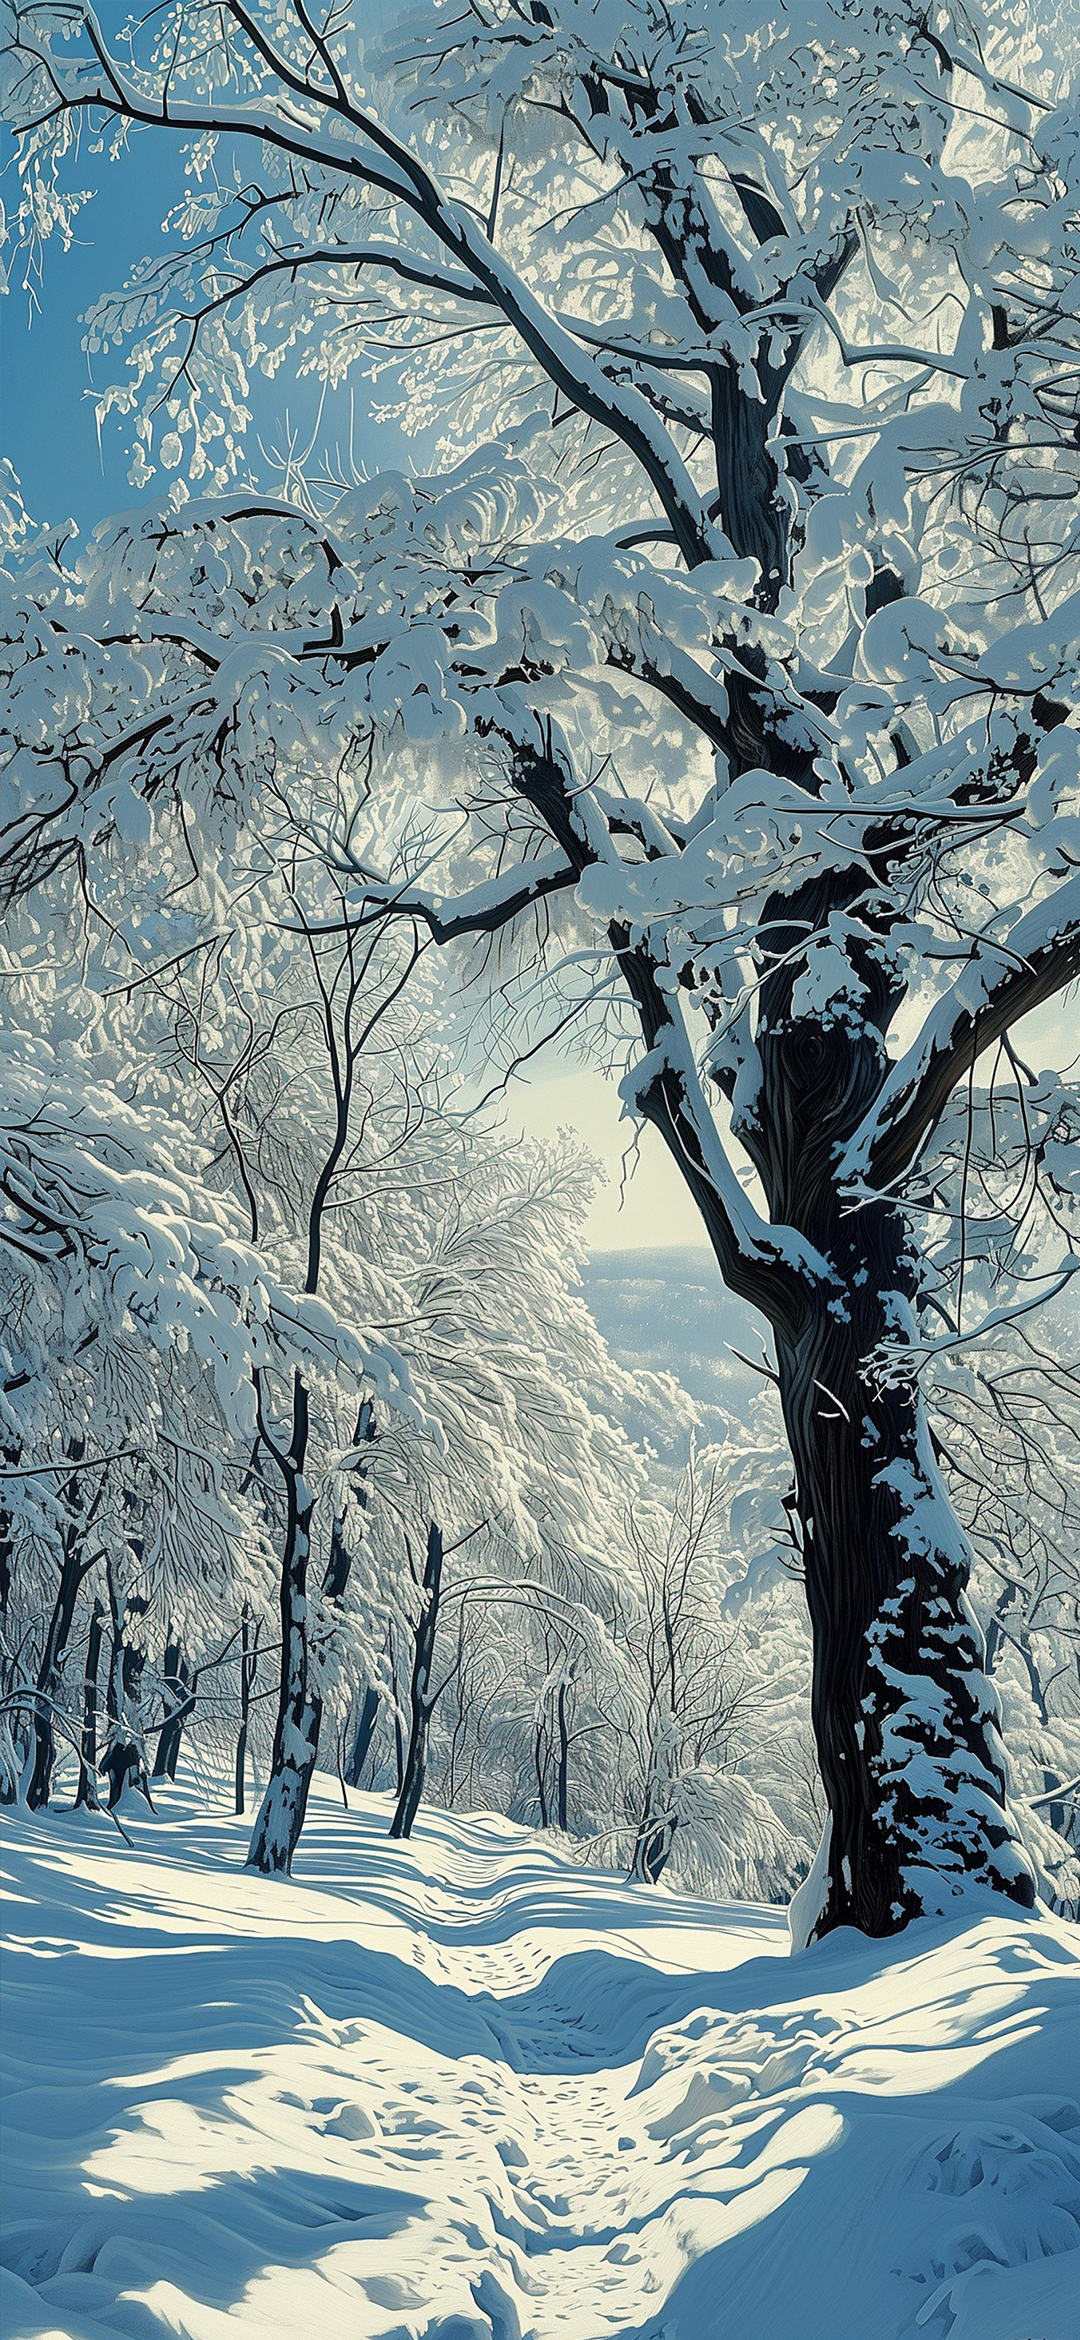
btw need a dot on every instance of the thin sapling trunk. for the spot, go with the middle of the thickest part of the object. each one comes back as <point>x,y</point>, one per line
<point>86,1795</point>
<point>299,1713</point>
<point>249,1667</point>
<point>421,1701</point>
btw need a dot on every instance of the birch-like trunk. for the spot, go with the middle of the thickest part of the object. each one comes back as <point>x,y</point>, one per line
<point>296,1731</point>
<point>124,1760</point>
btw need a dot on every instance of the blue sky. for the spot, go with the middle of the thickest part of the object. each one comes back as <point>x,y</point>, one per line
<point>49,427</point>
<point>50,430</point>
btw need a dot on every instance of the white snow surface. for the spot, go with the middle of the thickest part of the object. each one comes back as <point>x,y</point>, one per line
<point>462,2089</point>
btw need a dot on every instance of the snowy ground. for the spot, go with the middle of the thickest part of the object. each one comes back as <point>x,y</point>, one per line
<point>463,2090</point>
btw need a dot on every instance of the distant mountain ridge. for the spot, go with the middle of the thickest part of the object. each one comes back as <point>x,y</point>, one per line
<point>666,1309</point>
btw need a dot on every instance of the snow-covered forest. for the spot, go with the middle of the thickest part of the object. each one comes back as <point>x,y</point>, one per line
<point>596,585</point>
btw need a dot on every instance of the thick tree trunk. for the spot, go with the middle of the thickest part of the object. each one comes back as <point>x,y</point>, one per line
<point>296,1731</point>
<point>420,1700</point>
<point>363,1736</point>
<point>86,1795</point>
<point>905,1720</point>
<point>904,1717</point>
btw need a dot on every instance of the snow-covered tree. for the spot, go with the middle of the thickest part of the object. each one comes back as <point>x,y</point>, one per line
<point>132,1361</point>
<point>722,670</point>
<point>314,1090</point>
<point>686,1697</point>
<point>1009,1437</point>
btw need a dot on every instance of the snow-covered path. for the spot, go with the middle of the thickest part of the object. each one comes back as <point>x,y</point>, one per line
<point>462,2090</point>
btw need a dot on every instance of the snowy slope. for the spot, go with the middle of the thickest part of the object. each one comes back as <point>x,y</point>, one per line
<point>464,2090</point>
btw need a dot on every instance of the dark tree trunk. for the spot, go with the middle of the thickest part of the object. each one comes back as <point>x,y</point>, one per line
<point>655,1836</point>
<point>73,1568</point>
<point>399,1736</point>
<point>420,1699</point>
<point>299,1715</point>
<point>339,1564</point>
<point>562,1774</point>
<point>904,1718</point>
<point>363,1736</point>
<point>124,1760</point>
<point>86,1795</point>
<point>249,1666</point>
<point>540,1769</point>
<point>181,1684</point>
<point>39,1787</point>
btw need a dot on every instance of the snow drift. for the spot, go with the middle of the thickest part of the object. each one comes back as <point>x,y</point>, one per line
<point>460,2089</point>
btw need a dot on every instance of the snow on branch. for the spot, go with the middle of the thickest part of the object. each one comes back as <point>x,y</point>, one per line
<point>483,909</point>
<point>1001,982</point>
<point>368,153</point>
<point>770,1265</point>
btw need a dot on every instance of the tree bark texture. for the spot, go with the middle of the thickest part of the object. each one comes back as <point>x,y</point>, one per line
<point>420,1700</point>
<point>905,1721</point>
<point>339,1563</point>
<point>540,1769</point>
